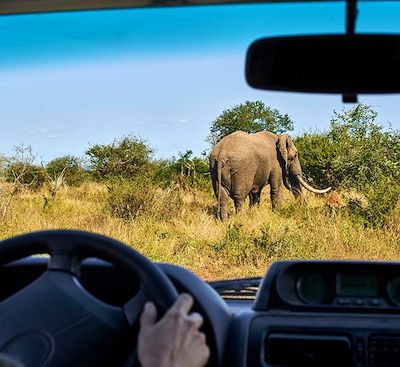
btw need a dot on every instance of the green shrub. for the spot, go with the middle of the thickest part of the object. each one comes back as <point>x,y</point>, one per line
<point>365,152</point>
<point>128,199</point>
<point>273,246</point>
<point>358,155</point>
<point>25,174</point>
<point>71,168</point>
<point>128,158</point>
<point>184,171</point>
<point>317,152</point>
<point>20,169</point>
<point>381,198</point>
<point>355,152</point>
<point>167,204</point>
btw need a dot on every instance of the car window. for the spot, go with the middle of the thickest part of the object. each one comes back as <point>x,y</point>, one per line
<point>378,17</point>
<point>107,125</point>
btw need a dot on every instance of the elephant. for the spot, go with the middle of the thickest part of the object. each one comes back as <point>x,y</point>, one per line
<point>241,164</point>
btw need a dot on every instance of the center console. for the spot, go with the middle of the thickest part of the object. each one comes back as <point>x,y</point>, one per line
<point>326,313</point>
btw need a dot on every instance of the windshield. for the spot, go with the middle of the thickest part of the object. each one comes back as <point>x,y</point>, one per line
<point>109,119</point>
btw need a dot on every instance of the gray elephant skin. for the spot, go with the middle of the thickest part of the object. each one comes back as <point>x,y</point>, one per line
<point>241,164</point>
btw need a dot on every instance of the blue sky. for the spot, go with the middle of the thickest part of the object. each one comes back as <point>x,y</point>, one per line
<point>69,80</point>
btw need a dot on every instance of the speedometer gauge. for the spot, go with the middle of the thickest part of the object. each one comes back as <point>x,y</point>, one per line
<point>314,288</point>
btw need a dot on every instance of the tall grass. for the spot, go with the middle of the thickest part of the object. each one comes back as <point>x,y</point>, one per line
<point>188,234</point>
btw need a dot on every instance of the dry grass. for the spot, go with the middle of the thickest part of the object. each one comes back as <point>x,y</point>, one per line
<point>244,246</point>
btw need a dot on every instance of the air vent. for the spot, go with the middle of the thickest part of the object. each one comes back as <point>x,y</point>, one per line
<point>297,350</point>
<point>384,351</point>
<point>245,288</point>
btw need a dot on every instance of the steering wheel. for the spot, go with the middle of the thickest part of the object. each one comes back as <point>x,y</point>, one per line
<point>54,321</point>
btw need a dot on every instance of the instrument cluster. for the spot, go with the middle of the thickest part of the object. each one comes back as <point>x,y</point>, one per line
<point>333,285</point>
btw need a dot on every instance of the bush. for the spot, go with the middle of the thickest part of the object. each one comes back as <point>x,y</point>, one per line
<point>381,198</point>
<point>128,199</point>
<point>186,172</point>
<point>317,152</point>
<point>167,204</point>
<point>366,153</point>
<point>126,158</point>
<point>20,169</point>
<point>25,174</point>
<point>357,155</point>
<point>73,172</point>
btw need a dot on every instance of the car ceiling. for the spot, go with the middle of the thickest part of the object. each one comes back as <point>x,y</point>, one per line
<point>43,6</point>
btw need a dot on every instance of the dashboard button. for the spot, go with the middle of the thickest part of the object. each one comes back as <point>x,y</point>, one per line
<point>343,301</point>
<point>358,302</point>
<point>360,350</point>
<point>374,302</point>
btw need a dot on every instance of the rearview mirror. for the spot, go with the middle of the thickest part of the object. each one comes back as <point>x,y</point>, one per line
<point>346,64</point>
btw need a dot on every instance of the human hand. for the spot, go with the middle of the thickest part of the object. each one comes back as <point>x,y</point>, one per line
<point>175,340</point>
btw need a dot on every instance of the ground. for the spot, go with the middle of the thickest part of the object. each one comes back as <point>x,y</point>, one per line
<point>188,234</point>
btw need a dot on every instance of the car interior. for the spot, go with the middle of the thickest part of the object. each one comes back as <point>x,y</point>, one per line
<point>79,305</point>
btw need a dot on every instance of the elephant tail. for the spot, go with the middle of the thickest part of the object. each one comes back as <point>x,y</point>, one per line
<point>219,183</point>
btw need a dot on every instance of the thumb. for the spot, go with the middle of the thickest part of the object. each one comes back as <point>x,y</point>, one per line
<point>149,315</point>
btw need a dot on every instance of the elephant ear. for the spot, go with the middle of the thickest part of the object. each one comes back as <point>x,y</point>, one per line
<point>287,149</point>
<point>291,149</point>
<point>282,148</point>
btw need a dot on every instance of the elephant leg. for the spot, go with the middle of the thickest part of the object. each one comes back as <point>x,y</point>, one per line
<point>223,205</point>
<point>238,198</point>
<point>254,198</point>
<point>238,205</point>
<point>276,196</point>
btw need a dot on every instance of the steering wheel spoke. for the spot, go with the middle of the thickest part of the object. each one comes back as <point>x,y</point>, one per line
<point>133,308</point>
<point>55,318</point>
<point>64,261</point>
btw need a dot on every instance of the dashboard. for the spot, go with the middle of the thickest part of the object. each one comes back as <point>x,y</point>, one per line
<point>305,313</point>
<point>326,313</point>
<point>332,286</point>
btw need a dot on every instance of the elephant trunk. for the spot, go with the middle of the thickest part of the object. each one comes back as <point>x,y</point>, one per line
<point>286,183</point>
<point>310,188</point>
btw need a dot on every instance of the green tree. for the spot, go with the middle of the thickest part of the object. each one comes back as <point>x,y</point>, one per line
<point>365,151</point>
<point>317,153</point>
<point>125,158</point>
<point>250,117</point>
<point>356,154</point>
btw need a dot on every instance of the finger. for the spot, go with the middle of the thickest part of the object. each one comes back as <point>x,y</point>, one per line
<point>196,319</point>
<point>205,353</point>
<point>201,338</point>
<point>149,315</point>
<point>201,351</point>
<point>182,305</point>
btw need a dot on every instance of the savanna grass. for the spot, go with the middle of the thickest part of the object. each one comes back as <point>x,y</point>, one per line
<point>187,233</point>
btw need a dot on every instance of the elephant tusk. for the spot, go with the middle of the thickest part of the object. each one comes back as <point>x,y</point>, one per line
<point>310,188</point>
